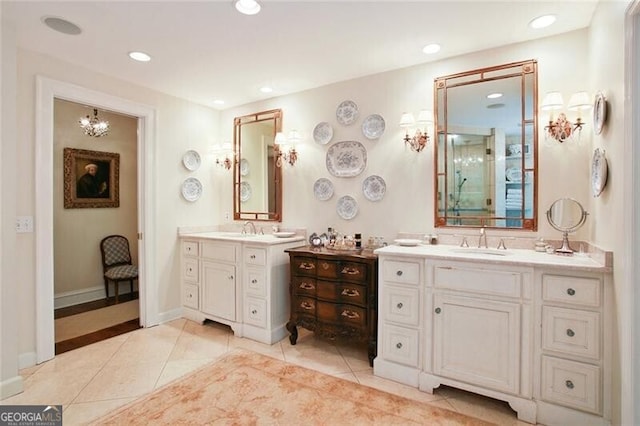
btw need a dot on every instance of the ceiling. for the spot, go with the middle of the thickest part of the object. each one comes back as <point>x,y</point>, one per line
<point>206,50</point>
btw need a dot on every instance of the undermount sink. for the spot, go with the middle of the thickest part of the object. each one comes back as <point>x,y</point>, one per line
<point>480,250</point>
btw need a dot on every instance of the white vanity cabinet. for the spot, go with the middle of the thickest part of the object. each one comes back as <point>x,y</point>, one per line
<point>219,262</point>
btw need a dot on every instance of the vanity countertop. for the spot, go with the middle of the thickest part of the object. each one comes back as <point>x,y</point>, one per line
<point>266,239</point>
<point>494,256</point>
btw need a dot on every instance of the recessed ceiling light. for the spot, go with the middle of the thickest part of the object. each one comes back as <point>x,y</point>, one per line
<point>494,95</point>
<point>266,89</point>
<point>542,21</point>
<point>139,56</point>
<point>61,25</point>
<point>218,102</point>
<point>247,7</point>
<point>431,48</point>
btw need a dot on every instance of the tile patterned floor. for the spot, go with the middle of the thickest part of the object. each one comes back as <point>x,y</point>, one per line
<point>95,379</point>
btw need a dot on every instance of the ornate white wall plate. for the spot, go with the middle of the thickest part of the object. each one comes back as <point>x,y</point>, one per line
<point>346,159</point>
<point>191,189</point>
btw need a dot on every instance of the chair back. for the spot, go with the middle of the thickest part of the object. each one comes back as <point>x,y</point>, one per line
<point>115,251</point>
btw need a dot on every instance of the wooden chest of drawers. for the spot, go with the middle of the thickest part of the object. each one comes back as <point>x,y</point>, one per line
<point>334,294</point>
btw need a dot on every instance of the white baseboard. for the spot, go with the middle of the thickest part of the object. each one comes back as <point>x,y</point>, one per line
<point>10,387</point>
<point>76,297</point>
<point>171,315</point>
<point>26,360</point>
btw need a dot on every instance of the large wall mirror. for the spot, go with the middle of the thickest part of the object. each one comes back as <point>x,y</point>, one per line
<point>486,147</point>
<point>257,182</point>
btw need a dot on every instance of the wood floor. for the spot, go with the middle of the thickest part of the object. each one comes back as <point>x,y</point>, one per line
<point>87,339</point>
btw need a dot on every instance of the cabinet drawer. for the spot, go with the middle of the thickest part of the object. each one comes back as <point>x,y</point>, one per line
<point>256,282</point>
<point>353,271</point>
<point>400,345</point>
<point>255,256</point>
<point>571,383</point>
<point>190,269</point>
<point>304,266</point>
<point>401,305</point>
<point>401,272</point>
<point>256,312</point>
<point>349,315</point>
<point>571,331</point>
<point>327,268</point>
<point>305,305</point>
<point>190,248</point>
<point>304,286</point>
<point>477,280</point>
<point>345,293</point>
<point>190,296</point>
<point>225,252</point>
<point>575,290</point>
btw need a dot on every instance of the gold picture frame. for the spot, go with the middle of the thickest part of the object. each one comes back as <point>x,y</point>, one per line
<point>91,179</point>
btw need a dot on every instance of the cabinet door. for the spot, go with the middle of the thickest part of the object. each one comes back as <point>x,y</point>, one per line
<point>477,341</point>
<point>219,290</point>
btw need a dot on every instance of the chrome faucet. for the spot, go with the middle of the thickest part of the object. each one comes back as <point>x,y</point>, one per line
<point>483,237</point>
<point>249,224</point>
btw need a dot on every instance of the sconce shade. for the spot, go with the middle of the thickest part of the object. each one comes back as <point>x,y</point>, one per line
<point>552,101</point>
<point>294,137</point>
<point>407,120</point>
<point>425,116</point>
<point>280,138</point>
<point>579,101</point>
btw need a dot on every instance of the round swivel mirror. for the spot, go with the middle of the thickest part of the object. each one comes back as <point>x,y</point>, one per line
<point>566,215</point>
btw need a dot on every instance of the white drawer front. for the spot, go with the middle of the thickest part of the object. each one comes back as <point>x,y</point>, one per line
<point>571,331</point>
<point>575,290</point>
<point>401,272</point>
<point>256,312</point>
<point>571,383</point>
<point>255,256</point>
<point>402,305</point>
<point>477,280</point>
<point>190,296</point>
<point>400,345</point>
<point>190,248</point>
<point>226,252</point>
<point>190,269</point>
<point>256,283</point>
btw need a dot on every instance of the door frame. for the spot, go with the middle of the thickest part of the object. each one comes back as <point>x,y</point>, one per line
<point>46,90</point>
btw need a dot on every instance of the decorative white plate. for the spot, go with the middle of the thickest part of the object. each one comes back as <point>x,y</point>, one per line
<point>346,159</point>
<point>374,188</point>
<point>322,133</point>
<point>408,242</point>
<point>599,172</point>
<point>244,167</point>
<point>245,191</point>
<point>599,113</point>
<point>513,174</point>
<point>347,112</point>
<point>191,160</point>
<point>191,189</point>
<point>347,207</point>
<point>323,189</point>
<point>284,234</point>
<point>373,126</point>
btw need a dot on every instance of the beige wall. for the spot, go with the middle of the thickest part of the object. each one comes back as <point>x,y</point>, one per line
<point>77,232</point>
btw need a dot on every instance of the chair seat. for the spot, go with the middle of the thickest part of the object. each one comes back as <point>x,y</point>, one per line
<point>124,272</point>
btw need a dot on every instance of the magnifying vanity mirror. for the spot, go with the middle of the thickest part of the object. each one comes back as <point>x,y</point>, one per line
<point>486,147</point>
<point>257,182</point>
<point>566,215</point>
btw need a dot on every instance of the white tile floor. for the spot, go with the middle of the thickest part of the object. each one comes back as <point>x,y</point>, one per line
<point>95,379</point>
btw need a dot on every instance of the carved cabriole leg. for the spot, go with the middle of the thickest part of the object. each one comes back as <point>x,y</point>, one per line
<point>291,328</point>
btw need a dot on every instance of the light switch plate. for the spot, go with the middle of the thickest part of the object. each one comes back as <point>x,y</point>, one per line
<point>24,224</point>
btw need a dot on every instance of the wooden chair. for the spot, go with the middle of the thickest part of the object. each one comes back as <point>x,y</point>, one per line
<point>116,263</point>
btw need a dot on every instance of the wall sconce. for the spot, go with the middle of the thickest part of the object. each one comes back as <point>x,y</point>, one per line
<point>289,155</point>
<point>562,129</point>
<point>421,138</point>
<point>223,155</point>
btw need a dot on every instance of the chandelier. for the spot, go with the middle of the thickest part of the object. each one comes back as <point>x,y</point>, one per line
<point>93,126</point>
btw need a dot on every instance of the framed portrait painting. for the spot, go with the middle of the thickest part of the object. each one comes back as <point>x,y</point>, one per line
<point>91,179</point>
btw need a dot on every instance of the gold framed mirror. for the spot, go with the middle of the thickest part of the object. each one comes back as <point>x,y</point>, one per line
<point>257,181</point>
<point>486,150</point>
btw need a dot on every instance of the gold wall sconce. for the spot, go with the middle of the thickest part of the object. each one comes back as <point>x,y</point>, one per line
<point>223,155</point>
<point>561,129</point>
<point>285,148</point>
<point>420,139</point>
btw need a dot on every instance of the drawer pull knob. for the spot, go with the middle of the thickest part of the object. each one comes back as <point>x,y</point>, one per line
<point>350,292</point>
<point>231,277</point>
<point>569,384</point>
<point>306,305</point>
<point>254,312</point>
<point>571,292</point>
<point>438,310</point>
<point>399,273</point>
<point>306,266</point>
<point>399,345</point>
<point>400,305</point>
<point>254,281</point>
<point>306,286</point>
<point>253,256</point>
<point>570,332</point>
<point>350,271</point>
<point>350,314</point>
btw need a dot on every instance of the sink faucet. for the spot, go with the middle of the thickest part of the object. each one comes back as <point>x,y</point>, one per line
<point>249,224</point>
<point>483,237</point>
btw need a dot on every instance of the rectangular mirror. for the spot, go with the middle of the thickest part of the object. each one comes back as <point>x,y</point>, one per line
<point>486,147</point>
<point>257,192</point>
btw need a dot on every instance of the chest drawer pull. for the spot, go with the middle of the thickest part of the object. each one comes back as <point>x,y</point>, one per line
<point>571,292</point>
<point>400,305</point>
<point>306,266</point>
<point>350,314</point>
<point>324,265</point>
<point>350,271</point>
<point>350,292</point>
<point>569,384</point>
<point>570,332</point>
<point>306,305</point>
<point>306,286</point>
